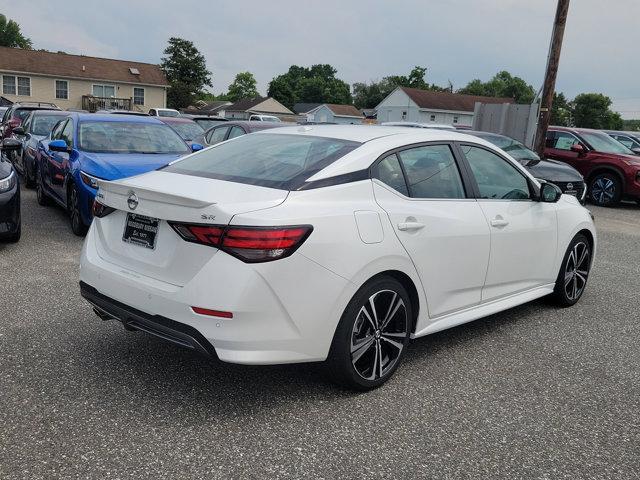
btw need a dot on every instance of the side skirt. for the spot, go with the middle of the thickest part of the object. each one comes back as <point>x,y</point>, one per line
<point>484,310</point>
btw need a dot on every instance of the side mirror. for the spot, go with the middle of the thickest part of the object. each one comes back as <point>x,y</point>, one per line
<point>19,131</point>
<point>196,147</point>
<point>11,145</point>
<point>550,192</point>
<point>58,146</point>
<point>579,149</point>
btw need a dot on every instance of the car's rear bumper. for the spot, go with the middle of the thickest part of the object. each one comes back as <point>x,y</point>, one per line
<point>283,312</point>
<point>132,319</point>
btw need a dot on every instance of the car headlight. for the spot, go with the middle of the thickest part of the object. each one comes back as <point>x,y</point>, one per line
<point>89,180</point>
<point>8,183</point>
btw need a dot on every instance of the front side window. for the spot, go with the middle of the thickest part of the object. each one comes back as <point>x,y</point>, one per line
<point>432,172</point>
<point>562,140</point>
<point>269,160</point>
<point>67,133</point>
<point>236,132</point>
<point>62,89</point>
<point>217,135</point>
<point>626,141</point>
<point>388,171</point>
<point>129,137</point>
<point>9,84</point>
<point>497,179</point>
<point>24,86</point>
<point>138,96</point>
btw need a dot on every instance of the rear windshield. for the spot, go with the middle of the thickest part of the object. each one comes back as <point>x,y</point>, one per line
<point>265,159</point>
<point>129,137</point>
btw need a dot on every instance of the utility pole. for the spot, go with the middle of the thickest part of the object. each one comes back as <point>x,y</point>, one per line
<point>551,74</point>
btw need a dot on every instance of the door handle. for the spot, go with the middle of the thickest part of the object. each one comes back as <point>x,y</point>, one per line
<point>499,222</point>
<point>406,226</point>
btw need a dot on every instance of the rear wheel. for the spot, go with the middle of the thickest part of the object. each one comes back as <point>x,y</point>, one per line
<point>372,335</point>
<point>42,197</point>
<point>14,237</point>
<point>29,177</point>
<point>572,279</point>
<point>605,190</point>
<point>77,225</point>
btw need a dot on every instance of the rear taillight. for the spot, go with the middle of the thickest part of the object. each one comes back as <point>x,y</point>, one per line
<point>100,210</point>
<point>249,244</point>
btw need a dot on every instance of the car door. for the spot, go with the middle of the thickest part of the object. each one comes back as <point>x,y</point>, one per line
<point>524,231</point>
<point>558,147</point>
<point>58,164</point>
<point>442,229</point>
<point>217,134</point>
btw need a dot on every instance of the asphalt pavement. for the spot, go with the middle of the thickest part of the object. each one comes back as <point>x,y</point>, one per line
<point>535,392</point>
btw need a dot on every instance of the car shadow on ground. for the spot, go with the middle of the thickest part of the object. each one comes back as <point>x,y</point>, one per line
<point>152,368</point>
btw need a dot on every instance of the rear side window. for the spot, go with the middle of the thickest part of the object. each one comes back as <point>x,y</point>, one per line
<point>432,172</point>
<point>236,132</point>
<point>388,171</point>
<point>217,135</point>
<point>268,160</point>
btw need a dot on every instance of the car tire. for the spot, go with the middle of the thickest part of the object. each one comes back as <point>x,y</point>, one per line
<point>574,272</point>
<point>605,190</point>
<point>14,237</point>
<point>42,197</point>
<point>374,329</point>
<point>29,178</point>
<point>75,216</point>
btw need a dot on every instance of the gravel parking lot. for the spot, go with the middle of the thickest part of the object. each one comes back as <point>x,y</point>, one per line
<point>534,392</point>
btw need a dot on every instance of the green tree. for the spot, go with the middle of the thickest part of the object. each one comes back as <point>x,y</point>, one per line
<point>10,35</point>
<point>243,86</point>
<point>561,111</point>
<point>371,94</point>
<point>631,125</point>
<point>315,84</point>
<point>186,71</point>
<point>503,84</point>
<point>591,110</point>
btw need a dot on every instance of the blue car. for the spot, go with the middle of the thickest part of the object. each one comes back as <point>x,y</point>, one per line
<point>86,147</point>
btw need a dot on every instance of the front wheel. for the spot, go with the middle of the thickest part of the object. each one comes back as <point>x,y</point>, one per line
<point>372,335</point>
<point>574,272</point>
<point>42,197</point>
<point>77,225</point>
<point>605,190</point>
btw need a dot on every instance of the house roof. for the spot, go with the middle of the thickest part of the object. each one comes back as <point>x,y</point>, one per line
<point>79,66</point>
<point>245,104</point>
<point>449,101</point>
<point>305,107</point>
<point>344,110</point>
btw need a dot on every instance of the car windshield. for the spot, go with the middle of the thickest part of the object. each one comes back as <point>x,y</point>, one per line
<point>22,113</point>
<point>265,159</point>
<point>188,130</point>
<point>602,142</point>
<point>129,137</point>
<point>42,124</point>
<point>514,148</point>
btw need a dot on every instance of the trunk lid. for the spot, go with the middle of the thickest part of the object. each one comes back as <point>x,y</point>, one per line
<point>172,197</point>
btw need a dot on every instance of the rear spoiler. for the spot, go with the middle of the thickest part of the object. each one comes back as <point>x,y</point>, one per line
<point>109,191</point>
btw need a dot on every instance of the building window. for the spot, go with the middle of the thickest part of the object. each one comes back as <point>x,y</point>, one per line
<point>455,119</point>
<point>432,118</point>
<point>9,84</point>
<point>62,89</point>
<point>138,96</point>
<point>24,86</point>
<point>404,115</point>
<point>106,91</point>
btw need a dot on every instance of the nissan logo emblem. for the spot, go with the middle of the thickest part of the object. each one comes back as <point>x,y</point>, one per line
<point>569,186</point>
<point>132,201</point>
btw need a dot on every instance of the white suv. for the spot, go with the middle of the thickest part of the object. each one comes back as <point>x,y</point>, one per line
<point>164,112</point>
<point>264,118</point>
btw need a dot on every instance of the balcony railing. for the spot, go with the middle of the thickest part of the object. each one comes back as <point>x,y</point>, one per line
<point>92,104</point>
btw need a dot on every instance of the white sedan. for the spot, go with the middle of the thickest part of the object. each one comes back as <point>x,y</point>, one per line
<point>336,243</point>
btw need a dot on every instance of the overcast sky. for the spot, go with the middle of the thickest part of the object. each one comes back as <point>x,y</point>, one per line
<point>457,40</point>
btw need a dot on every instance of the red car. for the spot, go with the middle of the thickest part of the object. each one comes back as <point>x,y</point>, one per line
<point>611,170</point>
